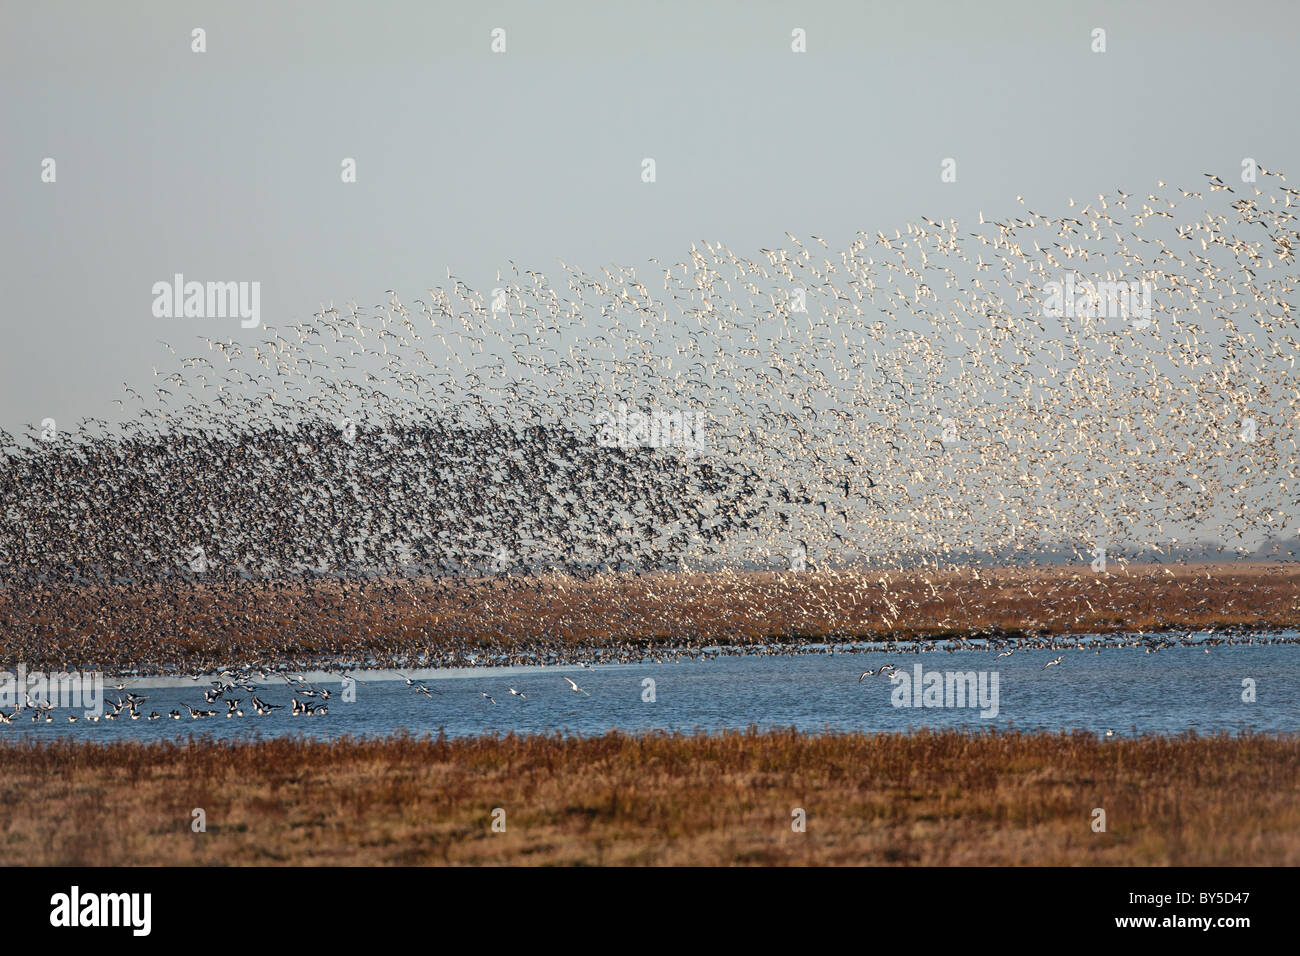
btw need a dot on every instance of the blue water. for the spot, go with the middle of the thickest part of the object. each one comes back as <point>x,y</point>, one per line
<point>1124,690</point>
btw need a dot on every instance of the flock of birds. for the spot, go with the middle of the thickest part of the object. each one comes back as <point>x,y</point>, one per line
<point>315,699</point>
<point>222,690</point>
<point>910,401</point>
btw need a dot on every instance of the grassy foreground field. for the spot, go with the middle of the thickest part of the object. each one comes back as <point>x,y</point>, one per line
<point>927,798</point>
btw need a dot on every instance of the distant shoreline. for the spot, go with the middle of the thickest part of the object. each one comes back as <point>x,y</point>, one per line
<point>556,619</point>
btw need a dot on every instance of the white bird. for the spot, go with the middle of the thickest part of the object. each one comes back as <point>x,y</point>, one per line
<point>575,687</point>
<point>879,670</point>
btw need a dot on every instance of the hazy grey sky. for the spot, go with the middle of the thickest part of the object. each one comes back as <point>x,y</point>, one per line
<point>225,165</point>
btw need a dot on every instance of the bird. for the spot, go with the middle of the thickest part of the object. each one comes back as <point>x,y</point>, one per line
<point>573,686</point>
<point>882,670</point>
<point>470,480</point>
<point>419,687</point>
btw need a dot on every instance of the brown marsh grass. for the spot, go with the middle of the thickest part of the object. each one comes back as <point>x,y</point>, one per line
<point>728,798</point>
<point>195,625</point>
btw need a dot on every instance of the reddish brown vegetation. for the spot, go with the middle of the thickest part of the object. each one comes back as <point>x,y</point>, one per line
<point>118,628</point>
<point>927,798</point>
